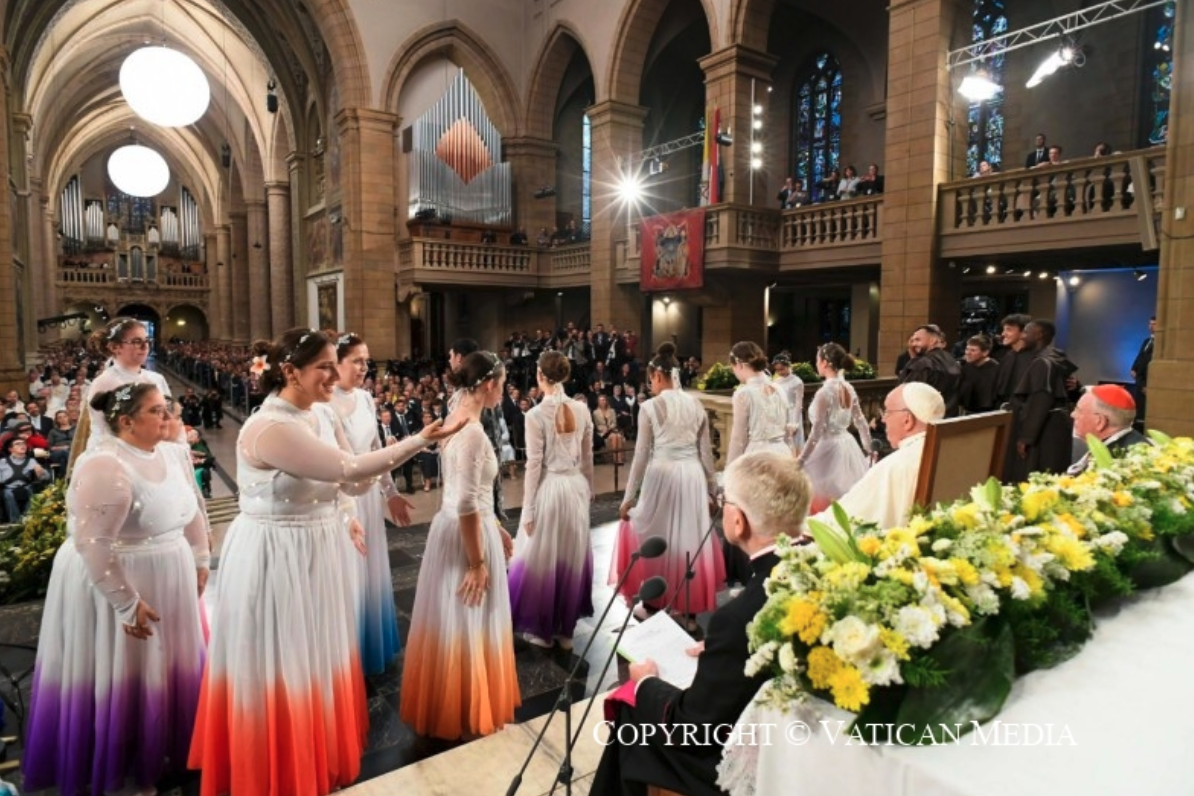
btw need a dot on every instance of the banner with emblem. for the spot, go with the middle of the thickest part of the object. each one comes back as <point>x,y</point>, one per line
<point>673,251</point>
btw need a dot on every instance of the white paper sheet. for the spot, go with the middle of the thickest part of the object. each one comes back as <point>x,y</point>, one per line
<point>665,642</point>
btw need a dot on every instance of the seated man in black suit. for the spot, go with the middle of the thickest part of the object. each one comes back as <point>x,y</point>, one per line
<point>1107,411</point>
<point>766,496</point>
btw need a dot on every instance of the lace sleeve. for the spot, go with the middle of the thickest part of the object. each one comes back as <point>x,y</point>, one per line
<point>740,432</point>
<point>295,449</point>
<point>533,431</point>
<point>642,453</point>
<point>467,460</point>
<point>388,488</point>
<point>100,500</point>
<point>797,412</point>
<point>860,423</point>
<point>818,417</point>
<point>198,530</point>
<point>585,429</point>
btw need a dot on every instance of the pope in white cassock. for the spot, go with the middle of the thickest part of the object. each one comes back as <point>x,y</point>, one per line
<point>885,494</point>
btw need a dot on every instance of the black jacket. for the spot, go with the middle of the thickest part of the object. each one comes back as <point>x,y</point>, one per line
<point>718,695</point>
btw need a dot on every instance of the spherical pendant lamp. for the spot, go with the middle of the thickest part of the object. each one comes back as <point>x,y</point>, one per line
<point>138,170</point>
<point>164,86</point>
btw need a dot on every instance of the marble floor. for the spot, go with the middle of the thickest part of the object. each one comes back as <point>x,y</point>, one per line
<point>391,744</point>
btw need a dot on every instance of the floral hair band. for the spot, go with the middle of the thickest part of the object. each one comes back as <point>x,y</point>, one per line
<point>115,331</point>
<point>299,345</point>
<point>119,398</point>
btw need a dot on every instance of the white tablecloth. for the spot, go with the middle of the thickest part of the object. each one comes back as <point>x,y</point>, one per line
<point>1126,700</point>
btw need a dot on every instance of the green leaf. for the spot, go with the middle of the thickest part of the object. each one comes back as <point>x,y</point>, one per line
<point>1163,566</point>
<point>832,542</point>
<point>980,665</point>
<point>1160,437</point>
<point>994,493</point>
<point>1099,452</point>
<point>1184,546</point>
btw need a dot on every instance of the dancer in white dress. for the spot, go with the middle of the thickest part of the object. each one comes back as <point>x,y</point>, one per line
<point>126,342</point>
<point>120,656</point>
<point>458,676</point>
<point>760,407</point>
<point>792,387</point>
<point>551,573</point>
<point>831,458</point>
<point>673,465</point>
<point>355,412</point>
<point>283,708</point>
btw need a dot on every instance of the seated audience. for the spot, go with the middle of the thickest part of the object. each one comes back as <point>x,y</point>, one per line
<point>21,477</point>
<point>766,496</point>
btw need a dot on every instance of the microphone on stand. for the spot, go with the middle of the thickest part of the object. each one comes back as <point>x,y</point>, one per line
<point>690,568</point>
<point>652,547</point>
<point>652,589</point>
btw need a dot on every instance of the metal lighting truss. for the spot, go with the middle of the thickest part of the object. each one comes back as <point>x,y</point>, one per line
<point>666,148</point>
<point>1051,29</point>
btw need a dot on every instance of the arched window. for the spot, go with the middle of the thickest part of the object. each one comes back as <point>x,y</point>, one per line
<point>1158,75</point>
<point>984,139</point>
<point>586,174</point>
<point>817,115</point>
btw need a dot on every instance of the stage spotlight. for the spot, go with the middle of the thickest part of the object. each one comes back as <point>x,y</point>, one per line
<point>1140,275</point>
<point>966,270</point>
<point>756,147</point>
<point>1043,275</point>
<point>756,163</point>
<point>630,189</point>
<point>991,269</point>
<point>1027,272</point>
<point>1065,55</point>
<point>978,87</point>
<point>725,139</point>
<point>1075,280</point>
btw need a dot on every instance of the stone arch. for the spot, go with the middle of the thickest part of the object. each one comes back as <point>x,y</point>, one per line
<point>193,315</point>
<point>750,23</point>
<point>632,42</point>
<point>339,30</point>
<point>481,64</point>
<point>557,52</point>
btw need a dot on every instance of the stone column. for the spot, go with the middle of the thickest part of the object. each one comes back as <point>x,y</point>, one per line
<point>11,345</point>
<point>239,277</point>
<point>915,287</point>
<point>281,270</point>
<point>728,75</point>
<point>533,160</point>
<point>45,254</point>
<point>739,315</point>
<point>223,277</point>
<point>367,216</point>
<point>210,256</point>
<point>1171,375</point>
<point>260,288</point>
<point>617,134</point>
<point>297,163</point>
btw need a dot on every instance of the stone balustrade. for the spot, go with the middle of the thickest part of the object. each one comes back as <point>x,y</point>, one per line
<point>71,277</point>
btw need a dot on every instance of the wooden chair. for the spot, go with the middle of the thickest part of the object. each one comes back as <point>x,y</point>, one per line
<point>960,453</point>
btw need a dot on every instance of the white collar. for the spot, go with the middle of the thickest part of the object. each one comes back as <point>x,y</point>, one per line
<point>917,437</point>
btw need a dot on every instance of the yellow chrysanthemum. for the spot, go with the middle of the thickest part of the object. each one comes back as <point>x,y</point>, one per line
<point>869,545</point>
<point>954,604</point>
<point>967,573</point>
<point>823,665</point>
<point>1072,554</point>
<point>919,526</point>
<point>1035,503</point>
<point>1071,522</point>
<point>850,692</point>
<point>803,619</point>
<point>897,644</point>
<point>848,576</point>
<point>1004,576</point>
<point>1121,499</point>
<point>966,516</point>
<point>1030,578</point>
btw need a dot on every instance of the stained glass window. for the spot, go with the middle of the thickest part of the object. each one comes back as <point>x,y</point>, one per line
<point>1158,74</point>
<point>586,173</point>
<point>984,137</point>
<point>817,112</point>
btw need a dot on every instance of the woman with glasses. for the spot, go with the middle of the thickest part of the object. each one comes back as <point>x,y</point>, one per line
<point>120,657</point>
<point>832,458</point>
<point>125,342</point>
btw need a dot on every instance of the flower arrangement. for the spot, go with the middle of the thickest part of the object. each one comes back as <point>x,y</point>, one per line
<point>718,377</point>
<point>721,377</point>
<point>929,624</point>
<point>27,555</point>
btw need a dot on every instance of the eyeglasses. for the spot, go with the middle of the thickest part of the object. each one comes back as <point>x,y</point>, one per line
<point>139,342</point>
<point>161,410</point>
<point>722,501</point>
<point>887,411</point>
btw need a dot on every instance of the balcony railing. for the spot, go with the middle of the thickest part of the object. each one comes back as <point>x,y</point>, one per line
<point>105,276</point>
<point>831,224</point>
<point>438,261</point>
<point>1077,204</point>
<point>483,258</point>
